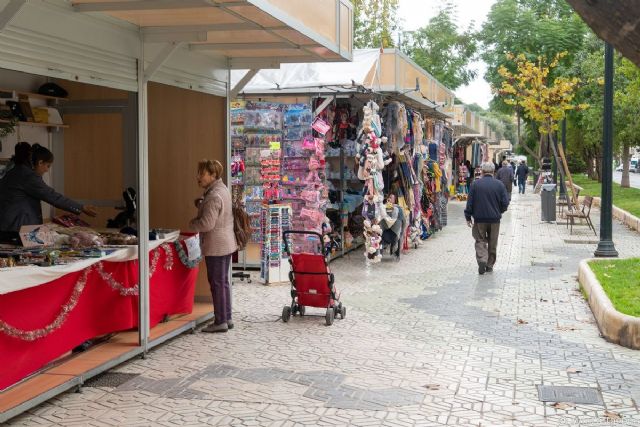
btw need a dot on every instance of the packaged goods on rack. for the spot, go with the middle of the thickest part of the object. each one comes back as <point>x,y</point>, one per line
<point>274,220</point>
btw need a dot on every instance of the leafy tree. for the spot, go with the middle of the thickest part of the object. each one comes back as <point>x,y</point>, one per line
<point>439,48</point>
<point>374,23</point>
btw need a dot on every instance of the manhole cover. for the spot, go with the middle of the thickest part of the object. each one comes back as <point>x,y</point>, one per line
<point>584,395</point>
<point>110,379</point>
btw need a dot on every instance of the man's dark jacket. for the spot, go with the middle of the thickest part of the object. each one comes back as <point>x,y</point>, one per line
<point>487,200</point>
<point>21,191</point>
<point>522,172</point>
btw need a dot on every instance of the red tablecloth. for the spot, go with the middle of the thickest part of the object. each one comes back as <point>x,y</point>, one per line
<point>99,310</point>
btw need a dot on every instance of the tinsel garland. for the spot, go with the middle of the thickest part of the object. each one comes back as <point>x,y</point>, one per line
<point>78,288</point>
<point>184,258</point>
<point>59,320</point>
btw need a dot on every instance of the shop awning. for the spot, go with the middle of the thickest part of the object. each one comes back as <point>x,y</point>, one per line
<point>615,21</point>
<point>469,138</point>
<point>389,73</point>
<point>249,34</point>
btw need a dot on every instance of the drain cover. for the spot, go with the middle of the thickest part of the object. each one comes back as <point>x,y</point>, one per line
<point>110,379</point>
<point>585,395</point>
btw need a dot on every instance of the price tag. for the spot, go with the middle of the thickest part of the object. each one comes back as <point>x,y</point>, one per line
<point>193,247</point>
<point>274,145</point>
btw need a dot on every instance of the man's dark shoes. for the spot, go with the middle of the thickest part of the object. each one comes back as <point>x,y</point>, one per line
<point>213,328</point>
<point>482,267</point>
<point>488,269</point>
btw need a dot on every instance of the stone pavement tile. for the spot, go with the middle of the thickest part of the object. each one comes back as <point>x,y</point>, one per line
<point>426,342</point>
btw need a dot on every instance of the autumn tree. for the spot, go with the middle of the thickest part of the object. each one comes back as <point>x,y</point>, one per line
<point>544,100</point>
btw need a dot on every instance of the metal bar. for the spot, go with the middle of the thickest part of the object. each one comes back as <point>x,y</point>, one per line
<point>241,84</point>
<point>240,26</point>
<point>606,247</point>
<point>242,46</point>
<point>116,6</point>
<point>9,12</point>
<point>41,398</point>
<point>143,205</point>
<point>322,106</point>
<point>160,59</point>
<point>265,63</point>
<point>176,36</point>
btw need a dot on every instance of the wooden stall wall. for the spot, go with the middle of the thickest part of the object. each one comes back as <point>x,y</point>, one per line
<point>184,127</point>
<point>93,151</point>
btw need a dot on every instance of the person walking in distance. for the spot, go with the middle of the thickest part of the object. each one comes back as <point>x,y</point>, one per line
<point>505,174</point>
<point>521,174</point>
<point>487,201</point>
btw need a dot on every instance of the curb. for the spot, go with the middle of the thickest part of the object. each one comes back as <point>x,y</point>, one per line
<point>615,327</point>
<point>631,221</point>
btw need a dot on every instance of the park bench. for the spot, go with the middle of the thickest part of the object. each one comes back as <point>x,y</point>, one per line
<point>564,200</point>
<point>583,213</point>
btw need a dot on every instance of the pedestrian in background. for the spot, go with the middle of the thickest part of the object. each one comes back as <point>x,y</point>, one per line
<point>217,240</point>
<point>487,201</point>
<point>521,174</point>
<point>505,175</point>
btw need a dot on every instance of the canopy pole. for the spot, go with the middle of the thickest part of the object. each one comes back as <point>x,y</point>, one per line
<point>143,205</point>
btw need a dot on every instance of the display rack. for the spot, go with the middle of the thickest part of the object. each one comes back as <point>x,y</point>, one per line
<point>274,219</point>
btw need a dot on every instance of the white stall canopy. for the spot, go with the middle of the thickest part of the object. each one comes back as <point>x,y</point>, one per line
<point>388,72</point>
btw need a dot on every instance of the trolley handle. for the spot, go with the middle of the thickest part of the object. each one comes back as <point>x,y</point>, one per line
<point>300,232</point>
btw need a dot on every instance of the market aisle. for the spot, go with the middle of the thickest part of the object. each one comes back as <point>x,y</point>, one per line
<point>426,342</point>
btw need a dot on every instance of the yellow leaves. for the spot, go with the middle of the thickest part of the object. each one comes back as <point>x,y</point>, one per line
<point>543,101</point>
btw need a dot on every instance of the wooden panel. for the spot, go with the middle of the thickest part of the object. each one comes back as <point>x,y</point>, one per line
<point>265,53</point>
<point>30,389</point>
<point>82,91</point>
<point>257,15</point>
<point>247,36</point>
<point>319,16</point>
<point>191,16</point>
<point>184,127</point>
<point>93,164</point>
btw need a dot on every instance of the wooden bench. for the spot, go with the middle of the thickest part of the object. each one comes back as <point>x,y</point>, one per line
<point>565,200</point>
<point>582,213</point>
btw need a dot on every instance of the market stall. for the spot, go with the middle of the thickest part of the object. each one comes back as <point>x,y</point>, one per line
<point>339,95</point>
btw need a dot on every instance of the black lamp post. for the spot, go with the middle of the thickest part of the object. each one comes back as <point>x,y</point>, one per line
<point>606,247</point>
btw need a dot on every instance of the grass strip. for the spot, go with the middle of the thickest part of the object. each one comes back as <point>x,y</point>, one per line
<point>620,279</point>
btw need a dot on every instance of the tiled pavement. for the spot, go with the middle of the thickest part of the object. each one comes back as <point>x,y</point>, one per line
<point>426,342</point>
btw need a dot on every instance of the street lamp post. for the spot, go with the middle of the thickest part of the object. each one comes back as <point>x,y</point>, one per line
<point>606,247</point>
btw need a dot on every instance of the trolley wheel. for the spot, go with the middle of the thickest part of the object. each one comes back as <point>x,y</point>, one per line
<point>343,312</point>
<point>301,310</point>
<point>329,316</point>
<point>336,311</point>
<point>286,313</point>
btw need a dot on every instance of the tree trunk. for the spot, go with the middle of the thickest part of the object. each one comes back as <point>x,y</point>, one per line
<point>625,166</point>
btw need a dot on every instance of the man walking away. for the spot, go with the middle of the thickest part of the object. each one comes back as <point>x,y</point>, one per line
<point>521,174</point>
<point>487,201</point>
<point>505,174</point>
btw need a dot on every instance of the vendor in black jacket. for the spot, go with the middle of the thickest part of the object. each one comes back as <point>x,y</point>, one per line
<point>487,201</point>
<point>22,189</point>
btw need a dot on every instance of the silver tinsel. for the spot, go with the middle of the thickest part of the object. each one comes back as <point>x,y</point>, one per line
<point>78,288</point>
<point>59,320</point>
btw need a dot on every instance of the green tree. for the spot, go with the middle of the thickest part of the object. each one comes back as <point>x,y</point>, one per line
<point>374,23</point>
<point>444,52</point>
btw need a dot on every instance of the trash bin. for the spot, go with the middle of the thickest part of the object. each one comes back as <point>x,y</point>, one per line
<point>548,199</point>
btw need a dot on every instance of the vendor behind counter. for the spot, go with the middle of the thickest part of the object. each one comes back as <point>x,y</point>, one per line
<point>22,189</point>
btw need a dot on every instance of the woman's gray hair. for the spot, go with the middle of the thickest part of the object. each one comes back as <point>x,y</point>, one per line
<point>488,167</point>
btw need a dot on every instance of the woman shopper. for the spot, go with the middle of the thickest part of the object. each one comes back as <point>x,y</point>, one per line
<point>22,189</point>
<point>217,240</point>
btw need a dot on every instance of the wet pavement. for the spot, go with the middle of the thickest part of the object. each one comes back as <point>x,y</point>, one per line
<point>426,341</point>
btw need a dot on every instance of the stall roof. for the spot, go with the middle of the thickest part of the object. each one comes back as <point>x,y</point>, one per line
<point>388,72</point>
<point>469,138</point>
<point>247,33</point>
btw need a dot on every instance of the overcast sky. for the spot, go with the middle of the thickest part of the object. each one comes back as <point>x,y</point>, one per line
<point>416,13</point>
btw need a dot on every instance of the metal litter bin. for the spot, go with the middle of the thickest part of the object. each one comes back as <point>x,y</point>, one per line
<point>548,199</point>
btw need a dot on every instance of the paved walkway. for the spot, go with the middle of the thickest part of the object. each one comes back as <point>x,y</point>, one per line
<point>426,342</point>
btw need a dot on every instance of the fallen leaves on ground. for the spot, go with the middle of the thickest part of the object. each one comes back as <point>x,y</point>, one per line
<point>563,405</point>
<point>612,415</point>
<point>573,370</point>
<point>522,322</point>
<point>432,386</point>
<point>566,328</point>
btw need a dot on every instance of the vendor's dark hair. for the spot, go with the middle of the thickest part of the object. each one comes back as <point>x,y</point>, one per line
<point>41,154</point>
<point>22,154</point>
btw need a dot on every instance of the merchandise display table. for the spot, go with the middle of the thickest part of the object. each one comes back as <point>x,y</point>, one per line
<point>45,312</point>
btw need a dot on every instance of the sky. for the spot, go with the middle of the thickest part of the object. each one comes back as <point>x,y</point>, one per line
<point>416,13</point>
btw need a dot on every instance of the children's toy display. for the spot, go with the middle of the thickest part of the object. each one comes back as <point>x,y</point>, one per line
<point>274,266</point>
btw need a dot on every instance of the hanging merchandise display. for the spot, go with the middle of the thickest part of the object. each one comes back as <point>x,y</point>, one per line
<point>274,219</point>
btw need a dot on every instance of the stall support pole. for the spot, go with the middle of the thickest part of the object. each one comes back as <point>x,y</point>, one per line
<point>228,166</point>
<point>143,205</point>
